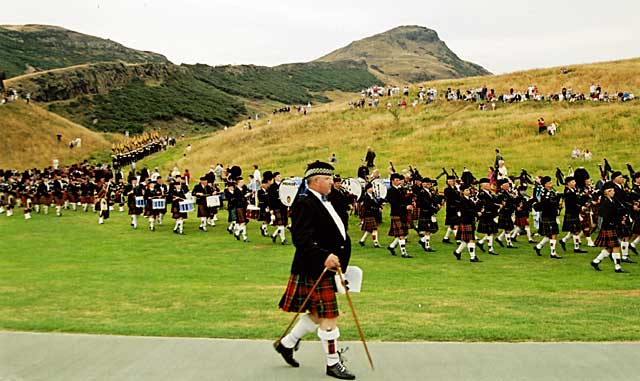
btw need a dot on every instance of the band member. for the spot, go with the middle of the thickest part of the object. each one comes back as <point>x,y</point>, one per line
<point>626,208</point>
<point>73,193</point>
<point>613,216</point>
<point>489,207</point>
<point>399,228</point>
<point>201,191</point>
<point>636,213</point>
<point>452,198</point>
<point>549,207</point>
<point>152,192</point>
<point>370,209</point>
<point>132,191</point>
<point>507,201</point>
<point>213,210</point>
<point>263,204</point>
<point>427,222</point>
<point>44,195</point>
<point>103,200</point>
<point>571,223</point>
<point>278,209</point>
<point>87,191</point>
<point>242,193</point>
<point>523,210</point>
<point>27,194</point>
<point>164,191</point>
<point>467,225</point>
<point>230,195</point>
<point>321,241</point>
<point>177,194</point>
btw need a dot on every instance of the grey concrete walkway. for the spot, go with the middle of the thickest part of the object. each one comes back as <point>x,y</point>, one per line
<point>32,356</point>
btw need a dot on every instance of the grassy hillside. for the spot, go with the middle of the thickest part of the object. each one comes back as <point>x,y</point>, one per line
<point>442,134</point>
<point>29,138</point>
<point>407,54</point>
<point>28,48</point>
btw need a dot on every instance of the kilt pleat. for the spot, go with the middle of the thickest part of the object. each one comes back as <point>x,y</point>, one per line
<point>607,238</point>
<point>322,303</point>
<point>369,224</point>
<point>466,233</point>
<point>398,227</point>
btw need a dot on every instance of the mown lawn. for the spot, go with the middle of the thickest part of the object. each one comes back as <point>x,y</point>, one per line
<point>69,274</point>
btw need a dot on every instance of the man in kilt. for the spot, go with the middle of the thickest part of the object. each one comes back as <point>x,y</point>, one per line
<point>241,194</point>
<point>507,201</point>
<point>321,241</point>
<point>488,206</point>
<point>626,207</point>
<point>549,207</point>
<point>177,194</point>
<point>635,195</point>
<point>201,191</point>
<point>263,204</point>
<point>571,223</point>
<point>452,197</point>
<point>132,191</point>
<point>612,218</point>
<point>279,210</point>
<point>467,225</point>
<point>399,228</point>
<point>231,196</point>
<point>370,209</point>
<point>428,206</point>
<point>523,210</point>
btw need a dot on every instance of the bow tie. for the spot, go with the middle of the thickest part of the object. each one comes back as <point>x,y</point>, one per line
<point>324,198</point>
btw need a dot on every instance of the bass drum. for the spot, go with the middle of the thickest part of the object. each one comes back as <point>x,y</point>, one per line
<point>288,191</point>
<point>379,188</point>
<point>352,186</point>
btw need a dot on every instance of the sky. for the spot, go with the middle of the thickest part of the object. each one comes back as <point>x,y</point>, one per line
<point>502,36</point>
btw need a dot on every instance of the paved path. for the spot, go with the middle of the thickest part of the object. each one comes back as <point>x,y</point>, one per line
<point>33,356</point>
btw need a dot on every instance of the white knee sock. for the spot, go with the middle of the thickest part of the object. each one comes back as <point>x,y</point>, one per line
<point>282,236</point>
<point>403,248</point>
<point>603,254</point>
<point>552,245</point>
<point>576,242</point>
<point>616,260</point>
<point>543,242</point>
<point>462,246</point>
<point>394,243</point>
<point>637,240</point>
<point>566,237</point>
<point>364,236</point>
<point>330,343</point>
<point>472,249</point>
<point>303,326</point>
<point>624,248</point>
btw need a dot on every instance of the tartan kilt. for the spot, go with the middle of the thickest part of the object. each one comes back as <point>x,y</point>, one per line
<point>232,216</point>
<point>175,213</point>
<point>466,233</point>
<point>44,200</point>
<point>522,222</point>
<point>264,216</point>
<point>586,223</point>
<point>398,227</point>
<point>548,228</point>
<point>281,219</point>
<point>203,211</point>
<point>322,302</point>
<point>505,222</point>
<point>571,224</point>
<point>369,224</point>
<point>607,238</point>
<point>241,216</point>
<point>425,225</point>
<point>487,226</point>
<point>414,215</point>
<point>212,211</point>
<point>134,211</point>
<point>451,219</point>
<point>623,231</point>
<point>73,197</point>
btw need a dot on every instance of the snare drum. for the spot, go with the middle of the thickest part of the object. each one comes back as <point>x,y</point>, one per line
<point>140,202</point>
<point>213,201</point>
<point>253,212</point>
<point>158,203</point>
<point>186,206</point>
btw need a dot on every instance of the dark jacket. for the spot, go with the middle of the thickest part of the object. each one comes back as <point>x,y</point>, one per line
<point>315,236</point>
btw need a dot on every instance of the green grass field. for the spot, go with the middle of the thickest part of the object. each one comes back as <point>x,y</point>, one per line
<point>70,274</point>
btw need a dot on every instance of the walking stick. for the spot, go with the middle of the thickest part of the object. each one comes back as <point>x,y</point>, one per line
<point>275,344</point>
<point>355,317</point>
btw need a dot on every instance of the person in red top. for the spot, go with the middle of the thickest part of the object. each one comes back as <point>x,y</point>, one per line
<point>542,127</point>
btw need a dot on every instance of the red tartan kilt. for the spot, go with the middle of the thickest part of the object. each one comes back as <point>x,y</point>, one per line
<point>586,223</point>
<point>409,217</point>
<point>203,211</point>
<point>466,233</point>
<point>44,200</point>
<point>607,238</point>
<point>59,200</point>
<point>398,228</point>
<point>416,214</point>
<point>369,224</point>
<point>322,303</point>
<point>522,222</point>
<point>280,219</point>
<point>73,197</point>
<point>241,216</point>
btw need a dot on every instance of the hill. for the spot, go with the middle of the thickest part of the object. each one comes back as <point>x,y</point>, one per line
<point>443,134</point>
<point>29,48</point>
<point>29,138</point>
<point>407,54</point>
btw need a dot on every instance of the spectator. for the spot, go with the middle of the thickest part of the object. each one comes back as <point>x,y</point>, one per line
<point>502,171</point>
<point>575,153</point>
<point>541,125</point>
<point>498,158</point>
<point>370,157</point>
<point>552,128</point>
<point>333,158</point>
<point>587,154</point>
<point>186,176</point>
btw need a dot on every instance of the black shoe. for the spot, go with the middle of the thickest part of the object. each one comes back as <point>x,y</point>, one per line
<point>514,239</point>
<point>446,240</point>
<point>201,228</point>
<point>628,260</point>
<point>633,249</point>
<point>620,270</point>
<point>229,230</point>
<point>512,247</point>
<point>564,245</point>
<point>237,237</point>
<point>537,251</point>
<point>287,355</point>
<point>273,238</point>
<point>555,257</point>
<point>500,242</point>
<point>285,243</point>
<point>423,245</point>
<point>475,259</point>
<point>430,250</point>
<point>595,266</point>
<point>392,250</point>
<point>361,243</point>
<point>456,254</point>
<point>580,251</point>
<point>265,234</point>
<point>338,370</point>
<point>176,231</point>
<point>532,241</point>
<point>480,246</point>
<point>407,256</point>
<point>376,246</point>
<point>493,252</point>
